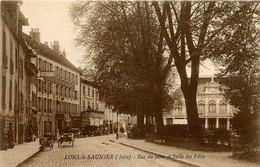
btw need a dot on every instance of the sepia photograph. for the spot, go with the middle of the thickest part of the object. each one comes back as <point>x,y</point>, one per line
<point>149,83</point>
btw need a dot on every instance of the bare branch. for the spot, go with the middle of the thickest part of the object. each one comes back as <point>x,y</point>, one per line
<point>169,15</point>
<point>206,21</point>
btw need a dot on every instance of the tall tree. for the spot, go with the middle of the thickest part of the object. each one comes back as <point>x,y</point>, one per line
<point>129,54</point>
<point>239,58</point>
<point>189,28</point>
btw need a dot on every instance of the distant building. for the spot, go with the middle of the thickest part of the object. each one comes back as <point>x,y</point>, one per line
<point>213,108</point>
<point>58,97</point>
<point>124,120</point>
<point>92,109</point>
<point>108,117</point>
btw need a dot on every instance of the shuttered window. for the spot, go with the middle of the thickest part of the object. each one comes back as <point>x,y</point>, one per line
<point>10,95</point>
<point>3,91</point>
<point>4,51</point>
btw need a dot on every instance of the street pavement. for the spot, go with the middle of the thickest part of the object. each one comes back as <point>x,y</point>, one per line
<point>196,158</point>
<point>18,154</point>
<point>122,152</point>
<point>97,152</point>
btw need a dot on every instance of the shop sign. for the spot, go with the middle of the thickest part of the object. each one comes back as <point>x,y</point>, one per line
<point>47,74</point>
<point>101,122</point>
<point>96,122</point>
<point>92,121</point>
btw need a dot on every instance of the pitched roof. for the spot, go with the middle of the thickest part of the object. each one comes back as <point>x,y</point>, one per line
<point>49,53</point>
<point>85,80</point>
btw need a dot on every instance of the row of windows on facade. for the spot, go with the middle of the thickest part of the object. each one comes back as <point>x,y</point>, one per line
<point>85,89</point>
<point>5,67</point>
<point>85,107</point>
<point>59,72</point>
<point>202,108</point>
<point>11,95</point>
<point>48,87</point>
<point>49,106</point>
<point>5,56</point>
<point>4,88</point>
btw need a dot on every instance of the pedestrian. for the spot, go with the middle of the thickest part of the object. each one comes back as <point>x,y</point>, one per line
<point>33,137</point>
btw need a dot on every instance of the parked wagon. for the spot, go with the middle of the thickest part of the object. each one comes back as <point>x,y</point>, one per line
<point>46,141</point>
<point>67,138</point>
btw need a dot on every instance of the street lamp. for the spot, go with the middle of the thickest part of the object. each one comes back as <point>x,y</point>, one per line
<point>128,124</point>
<point>117,126</point>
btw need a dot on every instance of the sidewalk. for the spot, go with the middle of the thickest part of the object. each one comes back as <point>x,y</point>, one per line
<point>17,155</point>
<point>211,159</point>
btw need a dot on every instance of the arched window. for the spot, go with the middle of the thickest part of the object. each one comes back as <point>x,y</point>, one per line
<point>223,107</point>
<point>212,107</point>
<point>201,107</point>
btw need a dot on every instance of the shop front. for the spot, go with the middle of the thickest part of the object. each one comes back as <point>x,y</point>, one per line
<point>91,121</point>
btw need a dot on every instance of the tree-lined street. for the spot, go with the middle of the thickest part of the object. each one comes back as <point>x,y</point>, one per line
<point>68,156</point>
<point>140,96</point>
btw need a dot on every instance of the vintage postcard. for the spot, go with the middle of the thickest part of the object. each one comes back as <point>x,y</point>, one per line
<point>129,83</point>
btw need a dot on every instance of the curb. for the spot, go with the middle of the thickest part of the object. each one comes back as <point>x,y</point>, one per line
<point>19,162</point>
<point>161,154</point>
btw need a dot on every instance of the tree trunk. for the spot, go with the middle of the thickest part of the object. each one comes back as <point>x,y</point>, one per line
<point>140,119</point>
<point>158,108</point>
<point>147,117</point>
<point>189,90</point>
<point>194,129</point>
<point>159,121</point>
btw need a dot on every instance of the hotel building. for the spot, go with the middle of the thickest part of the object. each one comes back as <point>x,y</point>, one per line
<point>58,87</point>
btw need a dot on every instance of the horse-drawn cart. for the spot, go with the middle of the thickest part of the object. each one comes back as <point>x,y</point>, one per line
<point>65,138</point>
<point>46,141</point>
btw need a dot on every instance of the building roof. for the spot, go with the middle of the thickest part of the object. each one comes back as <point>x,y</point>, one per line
<point>85,80</point>
<point>49,53</point>
<point>207,69</point>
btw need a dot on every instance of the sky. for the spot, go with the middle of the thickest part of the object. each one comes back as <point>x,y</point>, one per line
<point>54,23</point>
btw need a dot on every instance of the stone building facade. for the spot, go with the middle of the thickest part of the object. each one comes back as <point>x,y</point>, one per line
<point>91,115</point>
<point>94,112</point>
<point>213,108</point>
<point>18,73</point>
<point>58,91</point>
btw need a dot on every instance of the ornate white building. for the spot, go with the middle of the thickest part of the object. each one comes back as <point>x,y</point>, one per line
<point>213,108</point>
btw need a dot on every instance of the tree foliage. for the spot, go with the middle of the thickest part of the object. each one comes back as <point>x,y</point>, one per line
<point>196,30</point>
<point>128,52</point>
<point>239,59</point>
<point>135,45</point>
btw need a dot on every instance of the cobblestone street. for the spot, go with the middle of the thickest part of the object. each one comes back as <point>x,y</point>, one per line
<point>91,146</point>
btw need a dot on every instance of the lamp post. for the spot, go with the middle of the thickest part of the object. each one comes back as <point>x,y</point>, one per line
<point>128,123</point>
<point>117,126</point>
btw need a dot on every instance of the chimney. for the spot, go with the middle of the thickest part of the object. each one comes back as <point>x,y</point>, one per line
<point>31,33</point>
<point>56,47</point>
<point>35,34</point>
<point>46,43</point>
<point>64,53</point>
